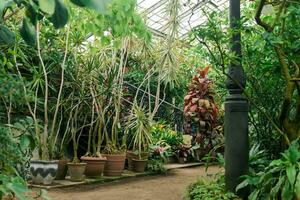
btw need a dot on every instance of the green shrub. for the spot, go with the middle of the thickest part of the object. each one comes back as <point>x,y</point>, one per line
<point>11,155</point>
<point>156,166</point>
<point>161,132</point>
<point>209,190</point>
<point>279,180</point>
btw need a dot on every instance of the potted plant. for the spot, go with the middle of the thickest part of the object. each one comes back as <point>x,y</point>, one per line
<point>115,150</point>
<point>184,150</point>
<point>139,125</point>
<point>76,168</point>
<point>43,170</point>
<point>115,143</point>
<point>95,161</point>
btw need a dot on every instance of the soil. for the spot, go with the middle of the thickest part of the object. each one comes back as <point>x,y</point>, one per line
<point>161,187</point>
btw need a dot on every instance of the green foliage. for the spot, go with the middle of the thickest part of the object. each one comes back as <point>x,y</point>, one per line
<point>279,180</point>
<point>6,35</point>
<point>209,190</point>
<point>260,64</point>
<point>11,157</point>
<point>139,125</point>
<point>163,133</point>
<point>28,32</point>
<point>60,15</point>
<point>99,6</point>
<point>156,166</point>
<point>12,185</point>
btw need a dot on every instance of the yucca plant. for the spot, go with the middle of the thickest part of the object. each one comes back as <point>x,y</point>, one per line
<point>140,127</point>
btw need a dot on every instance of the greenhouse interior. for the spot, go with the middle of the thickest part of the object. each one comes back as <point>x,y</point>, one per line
<point>150,99</point>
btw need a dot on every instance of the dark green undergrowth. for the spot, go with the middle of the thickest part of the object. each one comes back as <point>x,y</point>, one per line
<point>209,190</point>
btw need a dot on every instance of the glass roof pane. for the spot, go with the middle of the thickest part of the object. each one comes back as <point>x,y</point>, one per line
<point>190,13</point>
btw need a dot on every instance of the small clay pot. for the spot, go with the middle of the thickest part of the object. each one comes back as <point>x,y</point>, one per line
<point>76,171</point>
<point>170,159</point>
<point>114,164</point>
<point>181,160</point>
<point>130,155</point>
<point>62,169</point>
<point>94,165</point>
<point>139,165</point>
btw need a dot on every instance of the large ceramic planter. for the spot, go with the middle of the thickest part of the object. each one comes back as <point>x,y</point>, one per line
<point>62,169</point>
<point>43,172</point>
<point>139,165</point>
<point>130,155</point>
<point>114,164</point>
<point>94,165</point>
<point>76,171</point>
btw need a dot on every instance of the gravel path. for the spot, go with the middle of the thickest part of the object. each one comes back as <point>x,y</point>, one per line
<point>169,187</point>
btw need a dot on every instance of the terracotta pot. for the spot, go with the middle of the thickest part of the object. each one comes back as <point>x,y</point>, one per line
<point>181,160</point>
<point>94,165</point>
<point>170,159</point>
<point>139,165</point>
<point>114,164</point>
<point>130,155</point>
<point>62,169</point>
<point>43,172</point>
<point>76,171</point>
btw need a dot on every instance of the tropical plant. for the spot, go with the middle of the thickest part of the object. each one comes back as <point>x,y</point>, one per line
<point>156,166</point>
<point>160,150</point>
<point>200,110</point>
<point>13,156</point>
<point>139,125</point>
<point>209,190</point>
<point>54,11</point>
<point>272,116</point>
<point>279,180</point>
<point>163,133</point>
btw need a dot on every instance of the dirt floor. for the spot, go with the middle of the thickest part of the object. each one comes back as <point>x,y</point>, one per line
<point>169,187</point>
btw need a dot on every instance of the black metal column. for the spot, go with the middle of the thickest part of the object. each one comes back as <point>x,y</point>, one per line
<point>236,110</point>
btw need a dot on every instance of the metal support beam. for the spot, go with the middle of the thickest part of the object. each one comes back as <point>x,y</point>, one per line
<point>236,110</point>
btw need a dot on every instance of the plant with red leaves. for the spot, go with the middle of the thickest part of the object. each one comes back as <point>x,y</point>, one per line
<point>200,109</point>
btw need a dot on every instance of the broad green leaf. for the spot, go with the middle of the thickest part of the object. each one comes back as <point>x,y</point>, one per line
<point>98,5</point>
<point>287,192</point>
<point>277,187</point>
<point>32,14</point>
<point>60,16</point>
<point>297,186</point>
<point>243,184</point>
<point>78,3</point>
<point>28,32</point>
<point>291,174</point>
<point>4,4</point>
<point>276,162</point>
<point>18,187</point>
<point>254,195</point>
<point>47,6</point>
<point>24,142</point>
<point>6,36</point>
<point>2,7</point>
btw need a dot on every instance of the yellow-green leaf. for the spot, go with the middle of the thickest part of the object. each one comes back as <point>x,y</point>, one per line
<point>47,6</point>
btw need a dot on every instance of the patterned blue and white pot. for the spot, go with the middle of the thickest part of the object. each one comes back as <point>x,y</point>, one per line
<point>43,172</point>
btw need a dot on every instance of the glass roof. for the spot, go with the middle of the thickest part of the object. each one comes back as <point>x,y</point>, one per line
<point>190,14</point>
